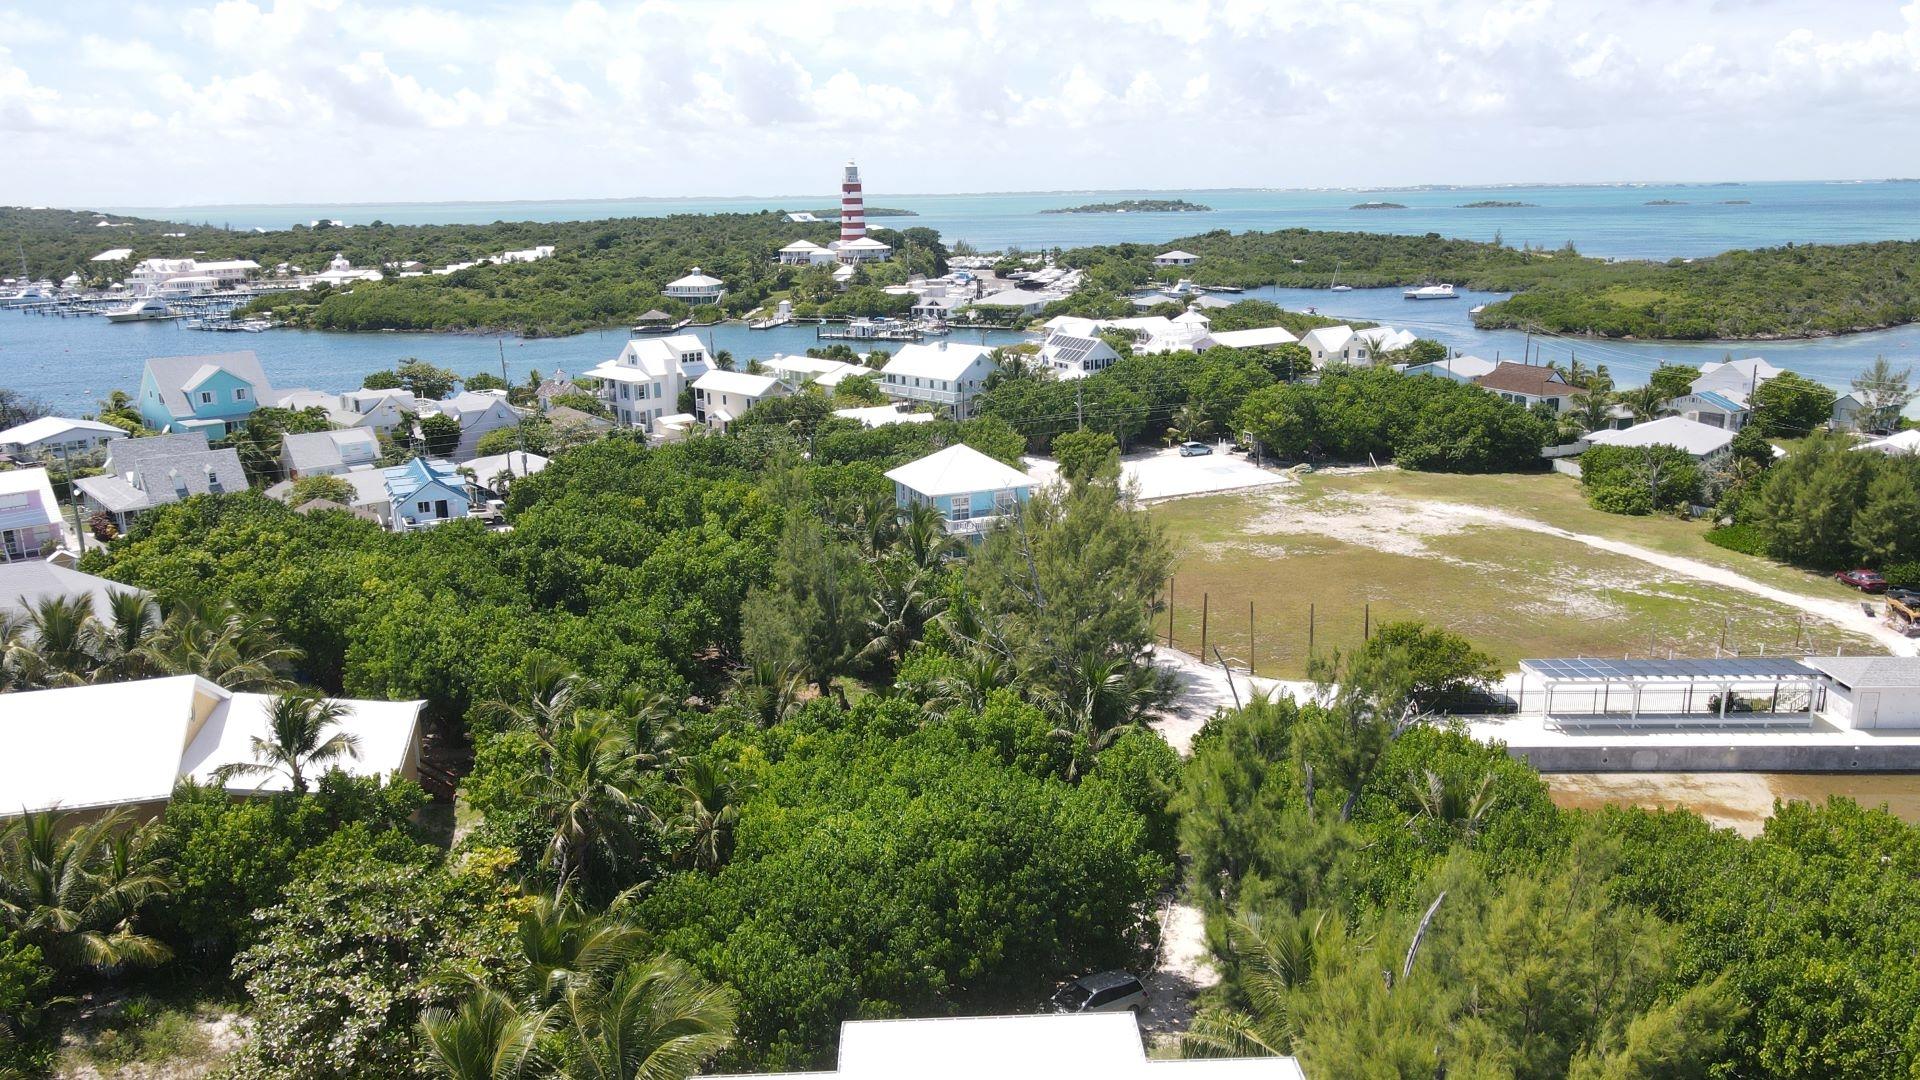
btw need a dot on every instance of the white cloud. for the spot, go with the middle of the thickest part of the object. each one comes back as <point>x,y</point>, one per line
<point>740,95</point>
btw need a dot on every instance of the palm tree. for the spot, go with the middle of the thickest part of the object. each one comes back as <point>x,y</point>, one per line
<point>712,807</point>
<point>1645,402</point>
<point>654,1021</point>
<point>223,644</point>
<point>559,944</point>
<point>767,691</point>
<point>1590,410</point>
<point>583,789</point>
<point>1102,698</point>
<point>297,741</point>
<point>923,536</point>
<point>868,521</point>
<point>55,644</point>
<point>1190,424</point>
<point>901,608</point>
<point>488,1037</point>
<point>1453,802</point>
<point>545,695</point>
<point>653,716</point>
<point>971,680</point>
<point>1274,958</point>
<point>74,889</point>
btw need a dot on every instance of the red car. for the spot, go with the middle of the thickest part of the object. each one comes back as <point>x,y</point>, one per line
<point>1867,581</point>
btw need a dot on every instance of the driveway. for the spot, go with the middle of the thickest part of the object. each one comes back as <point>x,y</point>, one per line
<point>1164,474</point>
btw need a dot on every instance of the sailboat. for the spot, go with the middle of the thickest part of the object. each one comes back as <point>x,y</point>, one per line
<point>1333,284</point>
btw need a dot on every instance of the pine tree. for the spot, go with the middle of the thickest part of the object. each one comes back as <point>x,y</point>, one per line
<point>1882,530</point>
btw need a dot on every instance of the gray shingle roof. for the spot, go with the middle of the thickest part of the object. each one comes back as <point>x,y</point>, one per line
<point>1870,671</point>
<point>26,583</point>
<point>329,449</point>
<point>164,464</point>
<point>172,373</point>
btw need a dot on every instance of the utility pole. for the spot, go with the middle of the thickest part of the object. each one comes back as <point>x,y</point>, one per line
<point>1079,407</point>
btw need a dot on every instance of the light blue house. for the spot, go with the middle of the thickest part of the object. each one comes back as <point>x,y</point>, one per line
<point>212,394</point>
<point>424,493</point>
<point>970,490</point>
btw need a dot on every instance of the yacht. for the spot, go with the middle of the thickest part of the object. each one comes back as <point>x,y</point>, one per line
<point>1431,292</point>
<point>1333,284</point>
<point>146,309</point>
<point>29,292</point>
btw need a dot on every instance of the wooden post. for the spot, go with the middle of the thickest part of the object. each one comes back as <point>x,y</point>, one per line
<point>1250,651</point>
<point>1309,631</point>
<point>1169,613</point>
<point>1366,623</point>
<point>1204,598</point>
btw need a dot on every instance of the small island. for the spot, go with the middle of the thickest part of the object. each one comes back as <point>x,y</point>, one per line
<point>1378,206</point>
<point>1736,202</point>
<point>1494,204</point>
<point>1665,202</point>
<point>1134,206</point>
<point>872,211</point>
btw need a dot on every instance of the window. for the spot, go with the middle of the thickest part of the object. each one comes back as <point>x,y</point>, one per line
<point>206,397</point>
<point>213,482</point>
<point>962,507</point>
<point>239,393</point>
<point>423,508</point>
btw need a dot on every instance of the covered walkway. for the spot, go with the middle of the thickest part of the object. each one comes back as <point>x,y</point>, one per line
<point>1735,692</point>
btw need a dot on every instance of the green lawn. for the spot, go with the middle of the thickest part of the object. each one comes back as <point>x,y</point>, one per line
<point>1330,553</point>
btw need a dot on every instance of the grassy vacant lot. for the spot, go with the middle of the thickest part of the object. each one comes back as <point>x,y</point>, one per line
<point>1400,545</point>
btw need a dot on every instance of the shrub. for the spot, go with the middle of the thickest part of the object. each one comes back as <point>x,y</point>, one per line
<point>1748,540</point>
<point>1621,499</point>
<point>1901,575</point>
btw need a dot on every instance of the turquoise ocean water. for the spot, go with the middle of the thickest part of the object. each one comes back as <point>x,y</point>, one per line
<point>70,363</point>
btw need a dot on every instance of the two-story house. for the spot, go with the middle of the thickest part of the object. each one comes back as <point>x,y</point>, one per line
<point>213,394</point>
<point>29,515</point>
<point>970,490</point>
<point>479,412</point>
<point>328,453</point>
<point>720,397</point>
<point>948,374</point>
<point>645,381</point>
<point>424,493</point>
<point>1071,356</point>
<point>145,473</point>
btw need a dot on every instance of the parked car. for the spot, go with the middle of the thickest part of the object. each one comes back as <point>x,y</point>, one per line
<point>1867,581</point>
<point>1195,449</point>
<point>1109,991</point>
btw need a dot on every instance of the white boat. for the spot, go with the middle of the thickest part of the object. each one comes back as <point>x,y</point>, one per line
<point>1333,284</point>
<point>1342,288</point>
<point>146,309</point>
<point>1431,292</point>
<point>31,292</point>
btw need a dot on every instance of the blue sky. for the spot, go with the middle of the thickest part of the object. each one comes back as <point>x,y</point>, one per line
<point>351,100</point>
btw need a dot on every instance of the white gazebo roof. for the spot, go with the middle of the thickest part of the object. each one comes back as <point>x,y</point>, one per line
<point>1176,253</point>
<point>958,470</point>
<point>803,245</point>
<point>695,280</point>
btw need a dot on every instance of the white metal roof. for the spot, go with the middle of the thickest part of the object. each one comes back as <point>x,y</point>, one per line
<point>1900,442</point>
<point>1692,436</point>
<point>47,427</point>
<point>1098,1046</point>
<point>881,415</point>
<point>958,470</point>
<point>1176,253</point>
<point>942,360</point>
<point>695,280</point>
<point>803,245</point>
<point>1255,338</point>
<point>112,255</point>
<point>736,382</point>
<point>121,744</point>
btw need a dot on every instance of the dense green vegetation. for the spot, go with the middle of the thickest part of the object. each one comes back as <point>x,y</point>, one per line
<point>1792,291</point>
<point>1420,422</point>
<point>1133,206</point>
<point>1390,898</point>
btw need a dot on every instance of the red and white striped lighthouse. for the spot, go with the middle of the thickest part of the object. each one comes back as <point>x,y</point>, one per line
<point>853,209</point>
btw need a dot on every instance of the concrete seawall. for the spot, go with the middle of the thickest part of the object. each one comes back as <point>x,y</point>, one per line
<point>1625,757</point>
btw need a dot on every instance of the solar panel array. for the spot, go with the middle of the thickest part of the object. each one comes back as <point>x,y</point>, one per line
<point>1601,670</point>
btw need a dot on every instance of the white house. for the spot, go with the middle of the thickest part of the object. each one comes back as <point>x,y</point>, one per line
<point>479,412</point>
<point>1066,1046</point>
<point>1527,385</point>
<point>970,490</point>
<point>56,437</point>
<point>1008,302</point>
<point>1713,408</point>
<point>369,499</point>
<point>1335,345</point>
<point>720,397</point>
<point>339,271</point>
<point>186,277</point>
<point>946,373</point>
<point>1737,379</point>
<point>805,253</point>
<point>496,472</point>
<point>645,381</point>
<point>696,288</point>
<point>798,371</point>
<point>325,453</point>
<point>29,515</point>
<point>1070,356</point>
<point>1703,442</point>
<point>1899,443</point>
<point>1871,691</point>
<point>125,745</point>
<point>861,249</point>
<point>1176,257</point>
<point>424,493</point>
<point>1258,337</point>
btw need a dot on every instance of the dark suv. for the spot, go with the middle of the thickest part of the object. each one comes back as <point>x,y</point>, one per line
<point>1109,991</point>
